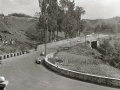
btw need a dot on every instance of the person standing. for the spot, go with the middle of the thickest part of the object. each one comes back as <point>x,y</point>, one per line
<point>36,47</point>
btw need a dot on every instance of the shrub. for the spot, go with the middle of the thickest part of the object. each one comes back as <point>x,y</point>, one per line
<point>2,48</point>
<point>22,48</point>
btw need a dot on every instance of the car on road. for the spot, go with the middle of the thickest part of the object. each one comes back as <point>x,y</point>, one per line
<point>42,54</point>
<point>39,61</point>
<point>78,40</point>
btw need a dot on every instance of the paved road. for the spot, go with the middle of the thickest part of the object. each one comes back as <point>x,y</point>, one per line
<point>24,74</point>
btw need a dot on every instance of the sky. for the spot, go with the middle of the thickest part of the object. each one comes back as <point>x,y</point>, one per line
<point>95,9</point>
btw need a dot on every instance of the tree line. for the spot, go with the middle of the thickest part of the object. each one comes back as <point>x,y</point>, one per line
<point>19,15</point>
<point>62,16</point>
<point>111,52</point>
<point>105,28</point>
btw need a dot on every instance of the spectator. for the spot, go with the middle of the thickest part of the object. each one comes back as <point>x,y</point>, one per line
<point>6,42</point>
<point>3,42</point>
<point>0,38</point>
<point>12,42</point>
<point>36,47</point>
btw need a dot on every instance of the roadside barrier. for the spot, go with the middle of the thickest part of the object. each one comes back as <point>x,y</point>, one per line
<point>0,57</point>
<point>4,56</point>
<point>12,55</point>
<point>108,81</point>
<point>8,55</point>
<point>48,45</point>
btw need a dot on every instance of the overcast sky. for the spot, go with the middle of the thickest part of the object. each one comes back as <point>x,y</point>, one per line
<point>94,8</point>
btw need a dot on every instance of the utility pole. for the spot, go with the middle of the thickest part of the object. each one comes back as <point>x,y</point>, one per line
<point>45,40</point>
<point>85,38</point>
<point>46,28</point>
<point>70,42</point>
<point>44,21</point>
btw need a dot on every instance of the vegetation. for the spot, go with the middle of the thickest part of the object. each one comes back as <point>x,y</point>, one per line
<point>19,15</point>
<point>104,61</point>
<point>85,64</point>
<point>111,52</point>
<point>64,17</point>
<point>108,51</point>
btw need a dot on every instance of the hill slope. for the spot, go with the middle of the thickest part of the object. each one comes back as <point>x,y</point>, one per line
<point>11,27</point>
<point>113,21</point>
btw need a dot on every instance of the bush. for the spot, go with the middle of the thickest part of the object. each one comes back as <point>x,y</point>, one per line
<point>22,48</point>
<point>2,48</point>
<point>52,60</point>
<point>20,15</point>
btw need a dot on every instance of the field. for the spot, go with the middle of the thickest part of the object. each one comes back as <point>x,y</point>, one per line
<point>85,64</point>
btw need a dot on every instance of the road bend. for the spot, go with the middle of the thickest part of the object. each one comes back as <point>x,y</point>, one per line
<point>24,74</point>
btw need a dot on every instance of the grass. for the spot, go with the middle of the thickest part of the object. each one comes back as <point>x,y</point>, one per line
<point>87,65</point>
<point>81,49</point>
<point>82,59</point>
<point>15,28</point>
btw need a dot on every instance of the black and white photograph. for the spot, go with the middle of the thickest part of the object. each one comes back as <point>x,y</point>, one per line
<point>59,45</point>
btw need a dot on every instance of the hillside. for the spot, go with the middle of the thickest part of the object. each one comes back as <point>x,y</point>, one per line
<point>12,27</point>
<point>15,28</point>
<point>113,21</point>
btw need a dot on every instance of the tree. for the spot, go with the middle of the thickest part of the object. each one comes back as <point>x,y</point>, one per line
<point>97,30</point>
<point>53,16</point>
<point>77,14</point>
<point>36,32</point>
<point>63,17</point>
<point>64,5</point>
<point>112,30</point>
<point>20,15</point>
<point>79,11</point>
<point>69,24</point>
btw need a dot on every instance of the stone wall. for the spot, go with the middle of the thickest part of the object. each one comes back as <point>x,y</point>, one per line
<point>114,82</point>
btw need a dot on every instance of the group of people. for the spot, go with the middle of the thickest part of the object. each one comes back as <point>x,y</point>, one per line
<point>8,42</point>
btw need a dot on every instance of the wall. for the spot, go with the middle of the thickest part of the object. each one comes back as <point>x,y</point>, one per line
<point>114,82</point>
<point>57,43</point>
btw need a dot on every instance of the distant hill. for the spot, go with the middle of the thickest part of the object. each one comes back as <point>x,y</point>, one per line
<point>113,21</point>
